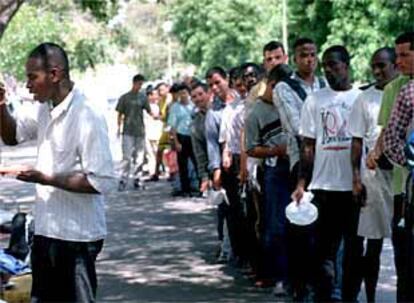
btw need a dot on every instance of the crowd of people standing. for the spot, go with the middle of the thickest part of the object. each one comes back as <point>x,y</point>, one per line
<point>267,133</point>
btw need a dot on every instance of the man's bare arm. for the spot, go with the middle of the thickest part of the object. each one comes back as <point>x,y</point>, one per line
<point>7,122</point>
<point>307,157</point>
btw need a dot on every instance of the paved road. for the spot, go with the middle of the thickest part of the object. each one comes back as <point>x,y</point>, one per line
<point>161,249</point>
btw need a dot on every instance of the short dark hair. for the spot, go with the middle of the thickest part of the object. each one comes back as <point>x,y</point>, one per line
<point>407,37</point>
<point>257,68</point>
<point>174,88</point>
<point>389,50</point>
<point>51,54</point>
<point>302,41</point>
<point>183,86</point>
<point>341,51</point>
<point>198,84</point>
<point>235,73</point>
<point>216,70</point>
<point>279,72</point>
<point>272,45</point>
<point>138,77</point>
<point>160,84</point>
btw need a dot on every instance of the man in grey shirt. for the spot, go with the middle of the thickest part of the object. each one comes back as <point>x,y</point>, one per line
<point>130,110</point>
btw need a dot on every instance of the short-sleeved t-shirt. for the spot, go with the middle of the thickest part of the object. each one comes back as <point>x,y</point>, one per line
<point>391,91</point>
<point>132,106</point>
<point>364,116</point>
<point>263,128</point>
<point>325,118</point>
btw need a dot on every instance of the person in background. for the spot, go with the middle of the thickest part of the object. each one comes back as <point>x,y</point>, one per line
<point>130,110</point>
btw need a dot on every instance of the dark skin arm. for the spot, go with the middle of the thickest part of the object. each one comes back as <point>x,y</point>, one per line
<point>265,152</point>
<point>74,182</point>
<point>356,155</point>
<point>307,157</point>
<point>7,122</point>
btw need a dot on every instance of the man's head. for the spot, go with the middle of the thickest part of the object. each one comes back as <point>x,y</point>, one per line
<point>137,82</point>
<point>278,73</point>
<point>404,48</point>
<point>184,93</point>
<point>273,54</point>
<point>47,67</point>
<point>174,91</point>
<point>152,95</point>
<point>336,62</point>
<point>251,74</point>
<point>236,81</point>
<point>200,95</point>
<point>383,66</point>
<point>305,57</point>
<point>163,89</point>
<point>217,81</point>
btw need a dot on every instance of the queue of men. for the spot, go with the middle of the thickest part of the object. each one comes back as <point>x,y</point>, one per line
<point>267,133</point>
<point>262,136</point>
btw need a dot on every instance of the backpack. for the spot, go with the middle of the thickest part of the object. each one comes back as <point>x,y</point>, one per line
<point>21,238</point>
<point>298,89</point>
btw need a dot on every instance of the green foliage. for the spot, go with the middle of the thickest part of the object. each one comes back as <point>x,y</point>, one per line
<point>361,25</point>
<point>225,32</point>
<point>87,41</point>
<point>28,28</point>
<point>102,10</point>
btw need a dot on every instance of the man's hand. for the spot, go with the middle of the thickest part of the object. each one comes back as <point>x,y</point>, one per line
<point>243,175</point>
<point>372,159</point>
<point>2,95</point>
<point>178,147</point>
<point>204,185</point>
<point>359,192</point>
<point>33,176</point>
<point>297,195</point>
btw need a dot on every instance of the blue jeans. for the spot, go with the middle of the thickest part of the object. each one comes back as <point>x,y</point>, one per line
<point>276,198</point>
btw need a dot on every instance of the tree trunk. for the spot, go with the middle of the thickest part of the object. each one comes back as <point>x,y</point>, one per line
<point>8,9</point>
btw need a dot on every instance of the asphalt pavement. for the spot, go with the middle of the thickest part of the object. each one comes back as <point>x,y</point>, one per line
<point>159,248</point>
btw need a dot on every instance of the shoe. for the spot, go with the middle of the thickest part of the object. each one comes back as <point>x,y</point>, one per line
<point>138,184</point>
<point>279,290</point>
<point>264,283</point>
<point>121,185</point>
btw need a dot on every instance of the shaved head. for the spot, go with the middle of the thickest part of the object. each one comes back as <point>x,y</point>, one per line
<point>52,56</point>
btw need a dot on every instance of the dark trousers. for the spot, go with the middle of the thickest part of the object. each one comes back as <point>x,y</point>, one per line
<point>275,199</point>
<point>337,219</point>
<point>183,156</point>
<point>234,212</point>
<point>64,271</point>
<point>368,265</point>
<point>403,243</point>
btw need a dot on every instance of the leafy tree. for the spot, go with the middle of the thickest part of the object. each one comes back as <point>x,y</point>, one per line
<point>361,25</point>
<point>224,32</point>
<point>87,41</point>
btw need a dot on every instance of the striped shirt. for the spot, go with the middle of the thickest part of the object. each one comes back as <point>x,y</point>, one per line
<point>71,137</point>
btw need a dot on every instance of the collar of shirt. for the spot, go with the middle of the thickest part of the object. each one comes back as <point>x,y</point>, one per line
<point>62,107</point>
<point>312,87</point>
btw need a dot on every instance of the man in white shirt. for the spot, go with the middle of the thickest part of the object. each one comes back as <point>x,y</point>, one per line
<point>376,212</point>
<point>74,168</point>
<point>326,155</point>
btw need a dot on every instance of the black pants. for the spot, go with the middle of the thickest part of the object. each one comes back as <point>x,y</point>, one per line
<point>403,243</point>
<point>337,220</point>
<point>183,156</point>
<point>234,212</point>
<point>369,265</point>
<point>64,271</point>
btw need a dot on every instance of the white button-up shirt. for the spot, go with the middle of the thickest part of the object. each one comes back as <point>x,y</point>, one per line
<point>71,137</point>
